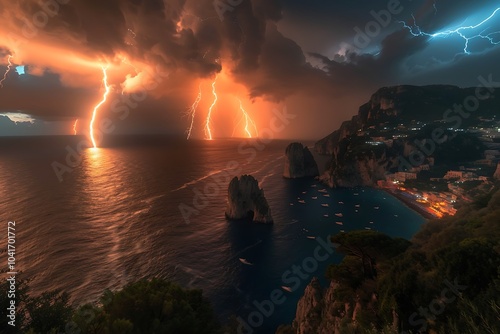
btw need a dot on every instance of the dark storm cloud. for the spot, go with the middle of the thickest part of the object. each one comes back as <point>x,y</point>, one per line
<point>274,48</point>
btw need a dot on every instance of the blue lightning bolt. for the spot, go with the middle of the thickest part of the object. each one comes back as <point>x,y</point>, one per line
<point>463,31</point>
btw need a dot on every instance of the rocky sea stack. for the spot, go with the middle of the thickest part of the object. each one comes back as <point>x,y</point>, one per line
<point>299,162</point>
<point>245,200</point>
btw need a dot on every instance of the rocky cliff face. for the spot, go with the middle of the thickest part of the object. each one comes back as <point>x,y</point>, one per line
<point>318,312</point>
<point>497,172</point>
<point>245,200</point>
<point>398,104</point>
<point>354,163</point>
<point>299,162</point>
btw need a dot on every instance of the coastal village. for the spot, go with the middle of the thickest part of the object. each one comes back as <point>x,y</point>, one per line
<point>440,191</point>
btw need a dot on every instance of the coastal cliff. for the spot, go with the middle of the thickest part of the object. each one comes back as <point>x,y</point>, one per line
<point>400,122</point>
<point>391,285</point>
<point>497,172</point>
<point>245,200</point>
<point>299,162</point>
<point>319,312</point>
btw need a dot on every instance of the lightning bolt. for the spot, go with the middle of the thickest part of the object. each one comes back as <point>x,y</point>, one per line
<point>74,127</point>
<point>96,108</point>
<point>462,31</point>
<point>208,130</point>
<point>435,7</point>
<point>248,121</point>
<point>7,71</point>
<point>192,112</point>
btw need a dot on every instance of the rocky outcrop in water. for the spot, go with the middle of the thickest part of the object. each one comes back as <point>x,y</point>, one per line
<point>497,172</point>
<point>299,162</point>
<point>245,200</point>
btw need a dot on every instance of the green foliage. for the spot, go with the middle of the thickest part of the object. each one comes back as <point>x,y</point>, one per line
<point>49,312</point>
<point>411,279</point>
<point>159,306</point>
<point>154,306</point>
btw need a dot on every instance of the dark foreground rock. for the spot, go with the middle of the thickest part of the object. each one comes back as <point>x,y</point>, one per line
<point>245,200</point>
<point>299,162</point>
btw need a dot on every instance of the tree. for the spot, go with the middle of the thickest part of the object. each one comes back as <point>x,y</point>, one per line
<point>369,246</point>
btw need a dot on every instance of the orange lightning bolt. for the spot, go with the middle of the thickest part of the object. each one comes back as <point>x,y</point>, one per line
<point>6,72</point>
<point>96,108</point>
<point>74,127</point>
<point>248,121</point>
<point>192,112</point>
<point>208,131</point>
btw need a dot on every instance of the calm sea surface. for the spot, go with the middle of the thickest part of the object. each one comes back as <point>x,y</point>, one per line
<point>116,218</point>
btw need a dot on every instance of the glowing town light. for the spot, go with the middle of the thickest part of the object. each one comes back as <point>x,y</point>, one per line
<point>415,30</point>
<point>208,131</point>
<point>248,121</point>
<point>74,127</point>
<point>96,108</point>
<point>7,71</point>
<point>192,112</point>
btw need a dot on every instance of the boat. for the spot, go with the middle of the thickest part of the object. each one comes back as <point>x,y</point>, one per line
<point>313,185</point>
<point>291,204</point>
<point>357,206</point>
<point>304,192</point>
<point>339,223</point>
<point>376,207</point>
<point>322,190</point>
<point>342,231</point>
<point>244,261</point>
<point>326,195</point>
<point>305,230</point>
<point>339,215</point>
<point>311,237</point>
<point>356,194</point>
<point>341,202</point>
<point>302,201</point>
<point>367,228</point>
<point>315,197</point>
<point>356,210</point>
<point>325,205</point>
<point>325,216</point>
<point>286,288</point>
<point>371,222</point>
<point>396,216</point>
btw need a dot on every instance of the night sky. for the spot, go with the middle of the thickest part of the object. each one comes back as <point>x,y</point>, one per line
<point>304,55</point>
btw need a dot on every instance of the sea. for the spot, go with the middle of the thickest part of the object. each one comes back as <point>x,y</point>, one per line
<point>153,206</point>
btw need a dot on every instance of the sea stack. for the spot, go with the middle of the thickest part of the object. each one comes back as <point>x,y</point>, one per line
<point>299,162</point>
<point>497,172</point>
<point>245,200</point>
